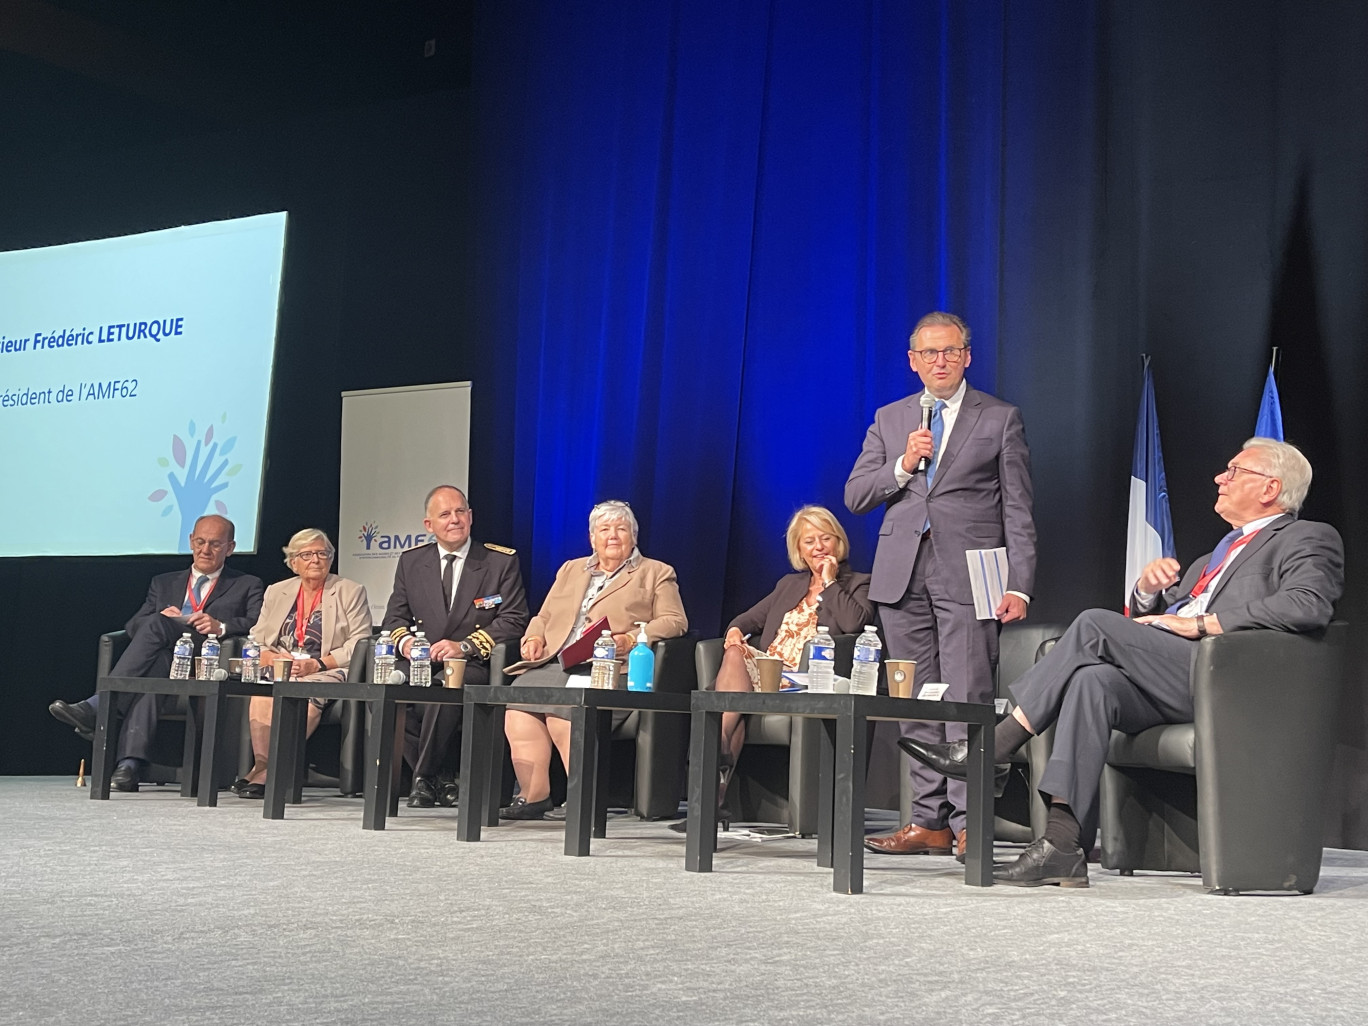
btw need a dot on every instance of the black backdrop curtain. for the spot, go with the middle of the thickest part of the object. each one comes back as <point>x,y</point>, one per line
<point>678,248</point>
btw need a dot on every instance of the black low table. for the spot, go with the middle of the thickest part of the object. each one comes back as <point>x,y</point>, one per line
<point>212,695</point>
<point>384,733</point>
<point>590,711</point>
<point>845,740</point>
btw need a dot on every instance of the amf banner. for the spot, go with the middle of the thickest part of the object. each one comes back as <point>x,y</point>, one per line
<point>397,444</point>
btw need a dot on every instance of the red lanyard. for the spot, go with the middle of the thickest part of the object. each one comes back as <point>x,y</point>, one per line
<point>302,618</point>
<point>1209,575</point>
<point>195,607</point>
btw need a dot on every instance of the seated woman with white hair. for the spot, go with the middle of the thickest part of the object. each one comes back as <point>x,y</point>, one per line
<point>616,582</point>
<point>314,618</point>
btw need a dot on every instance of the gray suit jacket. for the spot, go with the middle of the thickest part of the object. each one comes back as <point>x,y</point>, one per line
<point>980,498</point>
<point>1287,579</point>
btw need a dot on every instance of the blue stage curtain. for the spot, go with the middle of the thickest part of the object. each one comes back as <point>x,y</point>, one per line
<point>708,229</point>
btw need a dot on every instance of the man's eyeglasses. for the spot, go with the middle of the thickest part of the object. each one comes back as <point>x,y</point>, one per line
<point>952,354</point>
<point>1228,474</point>
<point>313,555</point>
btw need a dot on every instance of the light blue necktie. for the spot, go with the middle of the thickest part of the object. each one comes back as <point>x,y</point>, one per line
<point>937,434</point>
<point>189,607</point>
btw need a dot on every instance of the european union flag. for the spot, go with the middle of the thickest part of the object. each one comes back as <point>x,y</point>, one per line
<point>1269,424</point>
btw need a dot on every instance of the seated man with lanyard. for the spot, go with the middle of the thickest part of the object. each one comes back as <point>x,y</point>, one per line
<point>210,599</point>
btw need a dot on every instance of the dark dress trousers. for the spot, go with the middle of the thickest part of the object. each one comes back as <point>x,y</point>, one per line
<point>980,498</point>
<point>235,600</point>
<point>845,606</point>
<point>490,606</point>
<point>1110,673</point>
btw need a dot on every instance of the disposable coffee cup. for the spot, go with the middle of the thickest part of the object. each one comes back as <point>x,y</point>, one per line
<point>454,676</point>
<point>900,673</point>
<point>282,668</point>
<point>771,672</point>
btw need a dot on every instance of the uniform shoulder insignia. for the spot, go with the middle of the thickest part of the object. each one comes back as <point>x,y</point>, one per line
<point>501,548</point>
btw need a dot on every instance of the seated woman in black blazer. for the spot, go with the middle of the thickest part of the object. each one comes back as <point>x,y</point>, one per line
<point>785,620</point>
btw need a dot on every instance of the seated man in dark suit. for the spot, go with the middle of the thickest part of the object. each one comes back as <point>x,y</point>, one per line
<point>208,600</point>
<point>1272,572</point>
<point>465,598</point>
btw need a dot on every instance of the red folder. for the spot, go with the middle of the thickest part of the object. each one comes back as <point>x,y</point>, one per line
<point>581,650</point>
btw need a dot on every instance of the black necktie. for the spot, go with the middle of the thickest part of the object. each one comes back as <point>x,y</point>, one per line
<point>447,574</point>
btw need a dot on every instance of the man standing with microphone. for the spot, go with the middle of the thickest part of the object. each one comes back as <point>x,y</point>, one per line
<point>952,472</point>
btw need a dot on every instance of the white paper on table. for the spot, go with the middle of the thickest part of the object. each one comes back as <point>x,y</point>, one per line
<point>988,578</point>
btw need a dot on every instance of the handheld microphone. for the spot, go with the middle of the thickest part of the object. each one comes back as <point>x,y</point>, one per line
<point>928,403</point>
<point>396,677</point>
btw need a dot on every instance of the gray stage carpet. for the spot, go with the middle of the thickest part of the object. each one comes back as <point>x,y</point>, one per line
<point>146,909</point>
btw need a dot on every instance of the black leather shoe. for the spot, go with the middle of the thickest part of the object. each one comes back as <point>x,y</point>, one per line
<point>523,809</point>
<point>252,791</point>
<point>78,715</point>
<point>448,793</point>
<point>237,785</point>
<point>124,778</point>
<point>421,795</point>
<point>1042,863</point>
<point>951,759</point>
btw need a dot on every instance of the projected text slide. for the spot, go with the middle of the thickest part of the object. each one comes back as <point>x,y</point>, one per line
<point>135,377</point>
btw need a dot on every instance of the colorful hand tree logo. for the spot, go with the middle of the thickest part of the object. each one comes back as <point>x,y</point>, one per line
<point>368,533</point>
<point>200,482</point>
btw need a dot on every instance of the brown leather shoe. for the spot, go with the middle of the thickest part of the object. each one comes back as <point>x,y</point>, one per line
<point>961,845</point>
<point>912,840</point>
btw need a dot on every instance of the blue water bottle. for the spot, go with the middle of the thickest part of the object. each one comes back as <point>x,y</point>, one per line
<point>641,663</point>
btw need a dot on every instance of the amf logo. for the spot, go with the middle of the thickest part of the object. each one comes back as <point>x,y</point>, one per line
<point>375,540</point>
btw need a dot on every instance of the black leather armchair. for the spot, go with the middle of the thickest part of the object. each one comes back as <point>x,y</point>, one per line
<point>1237,795</point>
<point>348,742</point>
<point>164,767</point>
<point>775,780</point>
<point>654,745</point>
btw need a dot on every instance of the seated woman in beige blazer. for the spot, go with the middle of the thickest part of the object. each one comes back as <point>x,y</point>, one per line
<point>316,618</point>
<point>618,582</point>
<point>824,589</point>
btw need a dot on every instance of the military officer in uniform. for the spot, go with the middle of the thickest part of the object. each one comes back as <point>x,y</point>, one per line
<point>465,598</point>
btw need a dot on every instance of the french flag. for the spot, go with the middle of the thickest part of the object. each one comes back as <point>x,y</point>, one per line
<point>1149,528</point>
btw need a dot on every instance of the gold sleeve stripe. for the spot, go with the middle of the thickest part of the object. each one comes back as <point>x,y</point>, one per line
<point>483,643</point>
<point>398,634</point>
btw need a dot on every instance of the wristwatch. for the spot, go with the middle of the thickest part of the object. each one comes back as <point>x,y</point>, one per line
<point>1201,625</point>
<point>466,649</point>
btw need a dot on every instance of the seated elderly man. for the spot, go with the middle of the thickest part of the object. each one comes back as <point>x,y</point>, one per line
<point>616,582</point>
<point>1272,571</point>
<point>209,599</point>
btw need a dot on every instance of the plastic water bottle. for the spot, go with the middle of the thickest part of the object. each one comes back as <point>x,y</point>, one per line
<point>182,657</point>
<point>821,662</point>
<point>641,663</point>
<point>864,676</point>
<point>209,657</point>
<point>604,672</point>
<point>383,664</point>
<point>251,661</point>
<point>420,662</point>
